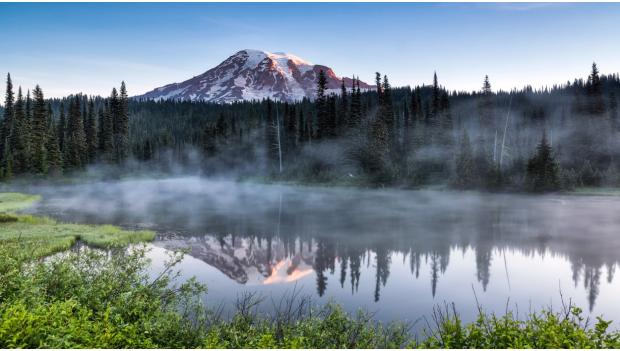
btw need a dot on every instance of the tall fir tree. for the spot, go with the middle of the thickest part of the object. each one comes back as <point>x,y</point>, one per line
<point>92,142</point>
<point>39,132</point>
<point>596,103</point>
<point>355,115</point>
<point>76,141</point>
<point>21,152</point>
<point>61,128</point>
<point>435,98</point>
<point>114,105</point>
<point>106,133</point>
<point>6,128</point>
<point>291,131</point>
<point>301,129</point>
<point>332,114</point>
<point>54,161</point>
<point>122,125</point>
<point>542,169</point>
<point>322,108</point>
<point>271,136</point>
<point>343,111</point>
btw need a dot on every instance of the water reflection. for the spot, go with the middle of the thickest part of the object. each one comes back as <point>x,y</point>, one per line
<point>259,235</point>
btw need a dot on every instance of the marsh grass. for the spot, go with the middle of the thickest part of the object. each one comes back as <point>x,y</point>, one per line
<point>11,202</point>
<point>42,236</point>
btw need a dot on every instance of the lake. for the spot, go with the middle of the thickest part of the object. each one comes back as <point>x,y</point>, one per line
<point>397,253</point>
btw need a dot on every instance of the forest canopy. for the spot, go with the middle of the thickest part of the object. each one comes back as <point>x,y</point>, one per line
<point>546,139</point>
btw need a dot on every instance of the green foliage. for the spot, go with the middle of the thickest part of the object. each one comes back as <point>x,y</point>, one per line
<point>542,330</point>
<point>329,327</point>
<point>90,299</point>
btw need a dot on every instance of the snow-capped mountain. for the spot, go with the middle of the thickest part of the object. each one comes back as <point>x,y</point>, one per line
<point>253,75</point>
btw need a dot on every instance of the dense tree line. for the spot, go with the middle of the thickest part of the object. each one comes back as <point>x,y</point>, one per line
<point>48,137</point>
<point>409,136</point>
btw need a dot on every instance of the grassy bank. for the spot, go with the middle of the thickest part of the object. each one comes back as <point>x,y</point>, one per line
<point>41,236</point>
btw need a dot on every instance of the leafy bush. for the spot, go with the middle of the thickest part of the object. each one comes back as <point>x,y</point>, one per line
<point>93,299</point>
<point>546,329</point>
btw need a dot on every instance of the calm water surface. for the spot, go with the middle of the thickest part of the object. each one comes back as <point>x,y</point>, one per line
<point>394,252</point>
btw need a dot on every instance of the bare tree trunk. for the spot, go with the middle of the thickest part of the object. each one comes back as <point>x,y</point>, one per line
<point>501,154</point>
<point>495,148</point>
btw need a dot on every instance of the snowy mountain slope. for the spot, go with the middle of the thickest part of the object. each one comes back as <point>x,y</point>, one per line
<point>253,75</point>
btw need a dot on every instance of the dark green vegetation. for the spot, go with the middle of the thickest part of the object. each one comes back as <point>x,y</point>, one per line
<point>48,137</point>
<point>556,138</point>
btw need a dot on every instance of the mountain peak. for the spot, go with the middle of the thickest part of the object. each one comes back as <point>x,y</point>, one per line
<point>252,74</point>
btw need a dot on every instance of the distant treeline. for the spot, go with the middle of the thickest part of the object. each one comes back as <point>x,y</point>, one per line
<point>539,140</point>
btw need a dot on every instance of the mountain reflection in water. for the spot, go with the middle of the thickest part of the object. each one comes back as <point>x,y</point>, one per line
<point>396,251</point>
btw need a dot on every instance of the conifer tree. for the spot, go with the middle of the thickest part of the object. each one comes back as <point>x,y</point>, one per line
<point>542,169</point>
<point>379,88</point>
<point>291,130</point>
<point>39,132</point>
<point>446,119</point>
<point>301,129</point>
<point>487,121</point>
<point>106,133</point>
<point>61,128</point>
<point>54,161</point>
<point>355,114</point>
<point>76,141</point>
<point>343,112</point>
<point>486,86</point>
<point>375,162</point>
<point>322,109</point>
<point>21,149</point>
<point>416,106</point>
<point>122,123</point>
<point>406,134</point>
<point>271,136</point>
<point>7,126</point>
<point>595,92</point>
<point>114,109</point>
<point>466,177</point>
<point>435,99</point>
<point>91,132</point>
<point>332,115</point>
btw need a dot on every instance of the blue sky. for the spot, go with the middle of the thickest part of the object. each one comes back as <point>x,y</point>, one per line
<point>86,47</point>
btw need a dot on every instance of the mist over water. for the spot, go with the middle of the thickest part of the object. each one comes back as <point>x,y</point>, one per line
<point>395,252</point>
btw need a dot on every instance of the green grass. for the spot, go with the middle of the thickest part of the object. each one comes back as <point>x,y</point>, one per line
<point>602,191</point>
<point>10,202</point>
<point>42,236</point>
